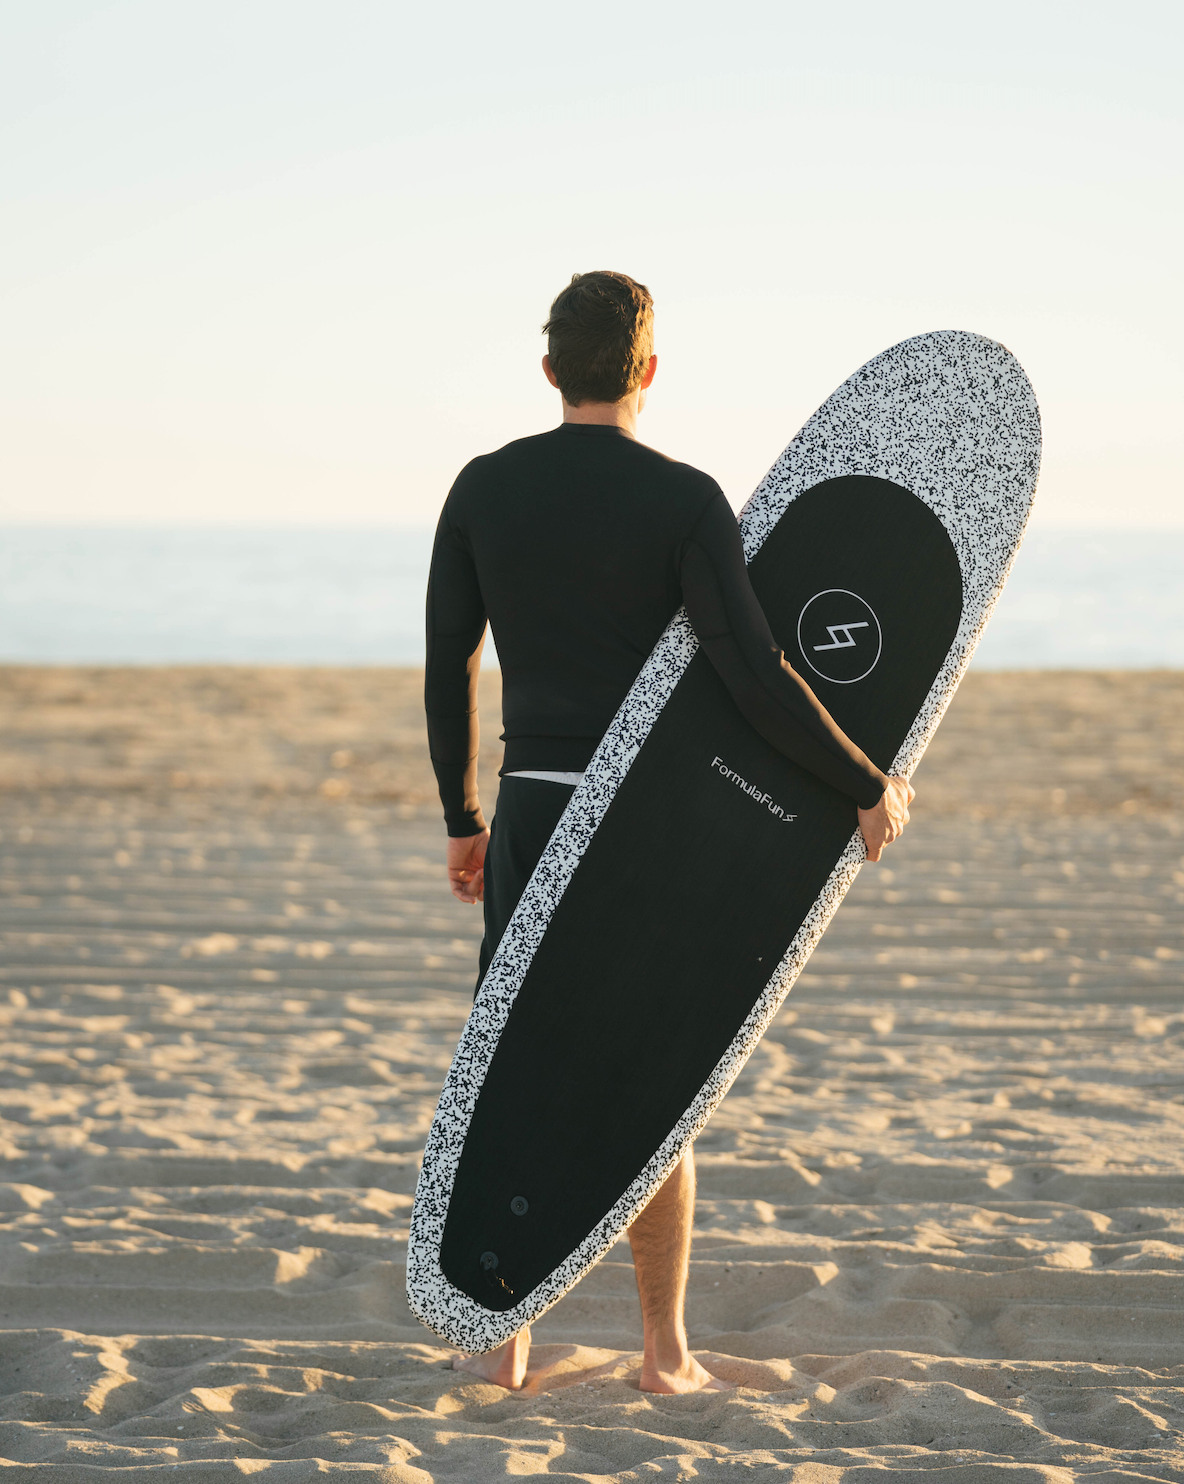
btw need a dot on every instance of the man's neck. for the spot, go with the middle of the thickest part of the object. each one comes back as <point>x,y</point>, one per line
<point>622,414</point>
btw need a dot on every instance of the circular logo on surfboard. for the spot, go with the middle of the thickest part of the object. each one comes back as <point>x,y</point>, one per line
<point>839,636</point>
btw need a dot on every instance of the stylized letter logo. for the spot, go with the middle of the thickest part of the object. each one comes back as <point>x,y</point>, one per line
<point>846,642</point>
<point>839,636</point>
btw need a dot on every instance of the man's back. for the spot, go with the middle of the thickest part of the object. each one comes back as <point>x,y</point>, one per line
<point>571,543</point>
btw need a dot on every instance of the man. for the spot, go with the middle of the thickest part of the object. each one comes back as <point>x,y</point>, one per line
<point>577,546</point>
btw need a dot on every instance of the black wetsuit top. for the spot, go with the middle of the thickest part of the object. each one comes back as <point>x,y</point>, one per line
<point>578,546</point>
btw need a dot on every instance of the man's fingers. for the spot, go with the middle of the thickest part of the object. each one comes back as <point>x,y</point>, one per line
<point>465,864</point>
<point>467,886</point>
<point>894,814</point>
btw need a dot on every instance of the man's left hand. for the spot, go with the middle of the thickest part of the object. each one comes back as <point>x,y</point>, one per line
<point>887,820</point>
<point>466,866</point>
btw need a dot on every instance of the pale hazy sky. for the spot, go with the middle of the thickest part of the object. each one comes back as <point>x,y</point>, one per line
<point>275,262</point>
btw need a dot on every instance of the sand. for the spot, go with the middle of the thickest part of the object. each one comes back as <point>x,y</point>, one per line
<point>940,1229</point>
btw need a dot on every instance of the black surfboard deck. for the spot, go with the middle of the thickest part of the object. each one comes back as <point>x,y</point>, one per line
<point>626,995</point>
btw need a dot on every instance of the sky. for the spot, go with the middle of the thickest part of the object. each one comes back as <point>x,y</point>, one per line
<point>279,263</point>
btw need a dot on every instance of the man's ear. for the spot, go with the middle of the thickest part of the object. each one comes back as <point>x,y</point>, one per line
<point>650,372</point>
<point>548,373</point>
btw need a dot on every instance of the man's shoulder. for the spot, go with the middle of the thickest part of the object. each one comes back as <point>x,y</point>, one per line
<point>687,491</point>
<point>518,447</point>
<point>486,467</point>
<point>678,472</point>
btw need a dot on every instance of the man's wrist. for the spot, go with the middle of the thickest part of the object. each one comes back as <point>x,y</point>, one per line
<point>463,829</point>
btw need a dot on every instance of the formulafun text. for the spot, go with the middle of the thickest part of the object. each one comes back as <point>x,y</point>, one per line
<point>752,791</point>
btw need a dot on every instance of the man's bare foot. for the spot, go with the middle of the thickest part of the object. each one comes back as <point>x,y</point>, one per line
<point>505,1366</point>
<point>687,1376</point>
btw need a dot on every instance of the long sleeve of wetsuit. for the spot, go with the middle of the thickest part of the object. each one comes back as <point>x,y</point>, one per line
<point>455,635</point>
<point>732,628</point>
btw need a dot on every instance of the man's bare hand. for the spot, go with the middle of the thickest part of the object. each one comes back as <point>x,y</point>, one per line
<point>887,820</point>
<point>466,866</point>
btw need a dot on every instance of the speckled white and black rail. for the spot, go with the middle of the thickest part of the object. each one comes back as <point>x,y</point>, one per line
<point>949,416</point>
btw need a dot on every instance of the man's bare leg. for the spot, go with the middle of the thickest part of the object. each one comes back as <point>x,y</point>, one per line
<point>505,1366</point>
<point>661,1242</point>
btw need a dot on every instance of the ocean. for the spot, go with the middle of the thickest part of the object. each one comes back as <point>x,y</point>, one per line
<point>109,595</point>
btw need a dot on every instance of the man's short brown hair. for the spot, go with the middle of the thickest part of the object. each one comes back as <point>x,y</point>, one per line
<point>600,336</point>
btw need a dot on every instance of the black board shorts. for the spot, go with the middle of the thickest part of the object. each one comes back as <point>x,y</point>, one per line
<point>528,810</point>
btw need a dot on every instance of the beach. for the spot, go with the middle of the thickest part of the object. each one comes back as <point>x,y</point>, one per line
<point>940,1225</point>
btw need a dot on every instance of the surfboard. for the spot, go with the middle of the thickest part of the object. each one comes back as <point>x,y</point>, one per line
<point>695,868</point>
